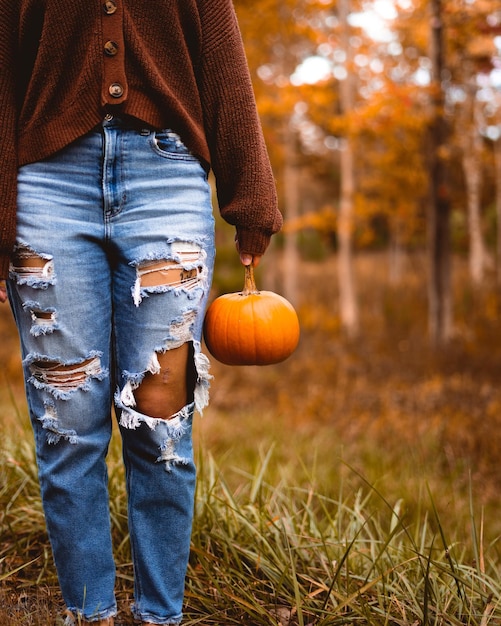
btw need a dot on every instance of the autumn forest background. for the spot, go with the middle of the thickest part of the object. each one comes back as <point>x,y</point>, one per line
<point>358,481</point>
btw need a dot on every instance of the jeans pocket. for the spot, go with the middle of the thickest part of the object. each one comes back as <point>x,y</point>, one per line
<point>168,144</point>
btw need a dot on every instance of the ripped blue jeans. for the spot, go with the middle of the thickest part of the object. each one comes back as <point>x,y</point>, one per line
<point>112,268</point>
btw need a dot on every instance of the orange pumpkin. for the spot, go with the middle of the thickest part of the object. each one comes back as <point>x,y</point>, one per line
<point>251,327</point>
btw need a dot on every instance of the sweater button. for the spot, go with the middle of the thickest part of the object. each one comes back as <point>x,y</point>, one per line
<point>110,7</point>
<point>111,48</point>
<point>116,90</point>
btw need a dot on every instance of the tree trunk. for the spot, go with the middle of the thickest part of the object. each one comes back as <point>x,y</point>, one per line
<point>348,306</point>
<point>497,157</point>
<point>395,257</point>
<point>439,283</point>
<point>477,254</point>
<point>291,198</point>
<point>347,298</point>
<point>472,168</point>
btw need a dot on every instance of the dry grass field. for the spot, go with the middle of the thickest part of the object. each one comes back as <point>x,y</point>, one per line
<point>385,414</point>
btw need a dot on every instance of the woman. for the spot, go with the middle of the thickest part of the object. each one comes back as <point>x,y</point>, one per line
<point>112,114</point>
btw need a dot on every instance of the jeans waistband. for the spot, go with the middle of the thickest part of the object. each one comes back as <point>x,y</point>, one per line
<point>127,122</point>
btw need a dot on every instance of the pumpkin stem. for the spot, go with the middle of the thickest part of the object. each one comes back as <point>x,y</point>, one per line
<point>249,281</point>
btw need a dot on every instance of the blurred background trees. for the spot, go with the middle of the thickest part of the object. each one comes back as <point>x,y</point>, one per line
<point>383,121</point>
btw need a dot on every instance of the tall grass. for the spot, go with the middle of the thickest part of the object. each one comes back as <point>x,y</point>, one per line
<point>356,483</point>
<point>279,554</point>
<point>270,551</point>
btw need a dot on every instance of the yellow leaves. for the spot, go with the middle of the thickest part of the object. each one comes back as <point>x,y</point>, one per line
<point>481,46</point>
<point>394,106</point>
<point>323,221</point>
<point>392,99</point>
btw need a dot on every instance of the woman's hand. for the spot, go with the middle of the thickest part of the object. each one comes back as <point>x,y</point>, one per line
<point>250,259</point>
<point>246,258</point>
<point>3,291</point>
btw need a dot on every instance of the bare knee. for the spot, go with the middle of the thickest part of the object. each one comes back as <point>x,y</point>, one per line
<point>165,393</point>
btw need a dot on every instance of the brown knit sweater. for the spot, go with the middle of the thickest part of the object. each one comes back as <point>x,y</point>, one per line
<point>176,64</point>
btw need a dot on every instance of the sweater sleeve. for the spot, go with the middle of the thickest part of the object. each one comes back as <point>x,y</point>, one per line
<point>245,185</point>
<point>8,135</point>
